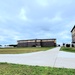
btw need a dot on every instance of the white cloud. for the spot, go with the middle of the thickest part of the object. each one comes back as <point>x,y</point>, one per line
<point>2,38</point>
<point>44,34</point>
<point>70,24</point>
<point>2,19</point>
<point>23,14</point>
<point>43,3</point>
<point>52,3</point>
<point>55,19</point>
<point>9,34</point>
<point>63,35</point>
<point>21,19</point>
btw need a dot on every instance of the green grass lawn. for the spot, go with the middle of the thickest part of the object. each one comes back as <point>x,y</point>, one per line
<point>68,49</point>
<point>15,69</point>
<point>22,50</point>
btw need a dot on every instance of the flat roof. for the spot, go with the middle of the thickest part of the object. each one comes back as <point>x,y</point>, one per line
<point>73,28</point>
<point>36,39</point>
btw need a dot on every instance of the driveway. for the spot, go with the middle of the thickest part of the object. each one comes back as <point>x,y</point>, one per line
<point>65,60</point>
<point>51,58</point>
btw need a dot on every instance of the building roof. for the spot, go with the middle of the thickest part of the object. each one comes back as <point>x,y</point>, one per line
<point>73,28</point>
<point>37,39</point>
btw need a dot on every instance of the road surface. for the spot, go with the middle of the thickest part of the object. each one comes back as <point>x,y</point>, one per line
<point>51,58</point>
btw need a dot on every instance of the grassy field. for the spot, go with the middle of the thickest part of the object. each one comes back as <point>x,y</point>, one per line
<point>68,49</point>
<point>15,69</point>
<point>22,50</point>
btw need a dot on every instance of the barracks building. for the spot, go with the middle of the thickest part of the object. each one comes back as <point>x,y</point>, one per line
<point>37,43</point>
<point>73,34</point>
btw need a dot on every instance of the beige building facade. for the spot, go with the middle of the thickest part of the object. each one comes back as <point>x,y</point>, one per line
<point>37,43</point>
<point>73,34</point>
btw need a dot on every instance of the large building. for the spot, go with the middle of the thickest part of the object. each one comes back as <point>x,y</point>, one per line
<point>73,35</point>
<point>37,43</point>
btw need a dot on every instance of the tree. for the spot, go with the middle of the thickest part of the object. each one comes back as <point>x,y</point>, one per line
<point>67,45</point>
<point>13,45</point>
<point>0,45</point>
<point>63,44</point>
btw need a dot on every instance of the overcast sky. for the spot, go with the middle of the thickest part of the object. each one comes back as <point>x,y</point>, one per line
<point>36,19</point>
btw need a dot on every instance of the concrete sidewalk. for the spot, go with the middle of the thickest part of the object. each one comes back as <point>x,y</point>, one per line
<point>51,58</point>
<point>43,58</point>
<point>65,60</point>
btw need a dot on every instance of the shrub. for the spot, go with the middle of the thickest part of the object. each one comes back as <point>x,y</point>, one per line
<point>67,45</point>
<point>72,45</point>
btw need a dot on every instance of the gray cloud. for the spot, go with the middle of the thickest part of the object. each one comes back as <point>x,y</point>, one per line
<point>25,19</point>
